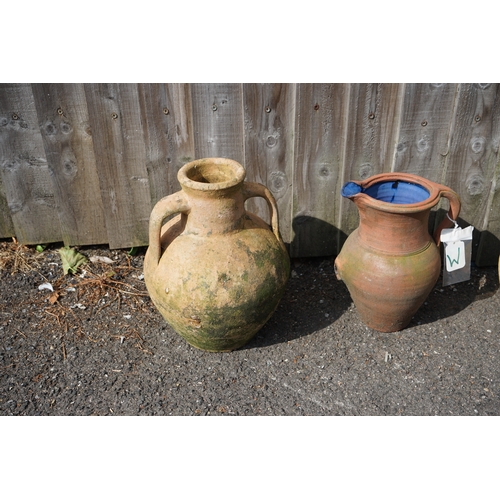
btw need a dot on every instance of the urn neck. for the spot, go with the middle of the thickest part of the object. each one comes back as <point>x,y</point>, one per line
<point>392,232</point>
<point>215,212</point>
<point>213,187</point>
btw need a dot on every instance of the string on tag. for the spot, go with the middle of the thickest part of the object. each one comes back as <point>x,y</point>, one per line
<point>454,221</point>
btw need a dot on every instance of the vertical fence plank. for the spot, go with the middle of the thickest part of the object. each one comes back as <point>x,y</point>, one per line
<point>269,113</point>
<point>489,246</point>
<point>218,120</point>
<point>25,175</point>
<point>6,225</point>
<point>167,119</point>
<point>471,161</point>
<point>474,156</point>
<point>374,114</point>
<point>488,251</point>
<point>64,125</point>
<point>121,161</point>
<point>426,119</point>
<point>319,157</point>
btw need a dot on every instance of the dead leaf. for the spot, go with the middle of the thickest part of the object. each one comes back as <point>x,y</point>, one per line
<point>71,259</point>
<point>53,297</point>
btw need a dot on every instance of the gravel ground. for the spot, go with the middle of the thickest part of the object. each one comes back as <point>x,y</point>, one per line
<point>97,346</point>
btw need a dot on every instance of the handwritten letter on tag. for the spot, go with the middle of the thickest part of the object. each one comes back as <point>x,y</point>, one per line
<point>454,254</point>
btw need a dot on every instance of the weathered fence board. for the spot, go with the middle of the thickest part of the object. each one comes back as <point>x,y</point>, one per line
<point>218,120</point>
<point>320,126</point>
<point>489,246</point>
<point>427,113</point>
<point>121,161</point>
<point>85,163</point>
<point>374,112</point>
<point>64,124</point>
<point>473,157</point>
<point>26,177</point>
<point>472,160</point>
<point>269,125</point>
<point>167,119</point>
<point>6,224</point>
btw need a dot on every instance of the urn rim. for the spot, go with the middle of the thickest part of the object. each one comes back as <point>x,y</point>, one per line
<point>211,174</point>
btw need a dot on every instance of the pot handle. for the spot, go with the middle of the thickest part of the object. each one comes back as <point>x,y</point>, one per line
<point>452,215</point>
<point>168,205</point>
<point>252,190</point>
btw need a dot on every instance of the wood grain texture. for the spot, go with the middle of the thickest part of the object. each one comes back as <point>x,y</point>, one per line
<point>6,225</point>
<point>374,116</point>
<point>121,161</point>
<point>26,178</point>
<point>320,126</point>
<point>64,124</point>
<point>269,114</point>
<point>218,120</point>
<point>426,118</point>
<point>473,155</point>
<point>167,118</point>
<point>92,173</point>
<point>489,243</point>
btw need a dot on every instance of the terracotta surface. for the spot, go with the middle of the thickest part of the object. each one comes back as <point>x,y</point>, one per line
<point>215,271</point>
<point>390,263</point>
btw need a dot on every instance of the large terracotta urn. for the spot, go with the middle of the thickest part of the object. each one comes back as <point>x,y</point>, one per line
<point>215,271</point>
<point>390,263</point>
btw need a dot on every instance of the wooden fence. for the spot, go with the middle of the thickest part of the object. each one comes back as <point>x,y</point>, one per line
<point>84,164</point>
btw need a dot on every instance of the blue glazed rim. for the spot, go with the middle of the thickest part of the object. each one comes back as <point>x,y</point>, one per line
<point>397,192</point>
<point>416,194</point>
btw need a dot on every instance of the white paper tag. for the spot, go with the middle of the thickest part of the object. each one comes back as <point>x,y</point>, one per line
<point>457,254</point>
<point>454,254</point>
<point>456,234</point>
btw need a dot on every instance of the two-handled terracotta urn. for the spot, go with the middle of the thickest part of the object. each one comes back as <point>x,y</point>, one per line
<point>215,271</point>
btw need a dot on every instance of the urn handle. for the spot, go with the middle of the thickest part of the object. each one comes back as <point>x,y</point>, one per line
<point>252,190</point>
<point>453,211</point>
<point>169,205</point>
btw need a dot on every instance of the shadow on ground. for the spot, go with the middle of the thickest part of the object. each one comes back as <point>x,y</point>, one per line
<point>447,301</point>
<point>313,300</point>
